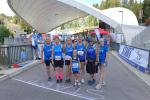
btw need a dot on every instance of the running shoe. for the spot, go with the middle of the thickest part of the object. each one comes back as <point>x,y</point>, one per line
<point>79,84</point>
<point>82,81</point>
<point>75,84</point>
<point>49,79</point>
<point>57,81</point>
<point>69,81</point>
<point>90,82</point>
<point>103,83</point>
<point>98,86</point>
<point>66,81</point>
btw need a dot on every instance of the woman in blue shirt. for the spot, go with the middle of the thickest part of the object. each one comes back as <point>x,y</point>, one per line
<point>90,63</point>
<point>58,61</point>
<point>68,47</point>
<point>80,47</point>
<point>102,52</point>
<point>47,49</point>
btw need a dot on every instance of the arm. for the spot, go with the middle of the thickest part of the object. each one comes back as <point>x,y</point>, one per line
<point>97,53</point>
<point>42,50</point>
<point>52,56</point>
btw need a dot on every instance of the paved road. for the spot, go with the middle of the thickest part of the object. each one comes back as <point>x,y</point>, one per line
<point>121,84</point>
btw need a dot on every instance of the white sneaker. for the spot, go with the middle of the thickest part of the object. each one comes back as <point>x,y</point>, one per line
<point>75,84</point>
<point>82,81</point>
<point>103,83</point>
<point>98,86</point>
<point>79,83</point>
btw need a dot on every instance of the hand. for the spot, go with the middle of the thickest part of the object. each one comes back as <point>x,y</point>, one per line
<point>52,62</point>
<point>42,61</point>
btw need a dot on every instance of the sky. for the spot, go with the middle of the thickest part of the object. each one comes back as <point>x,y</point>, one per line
<point>4,8</point>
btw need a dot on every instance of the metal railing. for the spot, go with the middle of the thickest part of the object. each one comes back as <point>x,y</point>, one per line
<point>12,54</point>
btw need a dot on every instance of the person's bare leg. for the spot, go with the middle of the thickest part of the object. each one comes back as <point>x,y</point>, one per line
<point>102,69</point>
<point>82,71</point>
<point>67,72</point>
<point>57,74</point>
<point>48,71</point>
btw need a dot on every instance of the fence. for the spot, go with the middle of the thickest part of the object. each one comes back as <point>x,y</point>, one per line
<point>137,57</point>
<point>17,41</point>
<point>11,54</point>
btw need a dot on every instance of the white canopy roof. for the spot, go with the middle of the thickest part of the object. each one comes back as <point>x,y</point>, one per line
<point>45,15</point>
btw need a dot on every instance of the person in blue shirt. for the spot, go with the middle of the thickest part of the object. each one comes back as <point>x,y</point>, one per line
<point>90,61</point>
<point>34,43</point>
<point>47,50</point>
<point>102,52</point>
<point>58,61</point>
<point>81,50</point>
<point>76,68</point>
<point>68,48</point>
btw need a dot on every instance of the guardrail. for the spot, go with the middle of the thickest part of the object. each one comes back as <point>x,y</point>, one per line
<point>12,54</point>
<point>135,56</point>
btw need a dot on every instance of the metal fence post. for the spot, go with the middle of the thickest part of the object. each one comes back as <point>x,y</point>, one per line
<point>8,55</point>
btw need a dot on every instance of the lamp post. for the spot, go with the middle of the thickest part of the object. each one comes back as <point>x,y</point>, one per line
<point>121,25</point>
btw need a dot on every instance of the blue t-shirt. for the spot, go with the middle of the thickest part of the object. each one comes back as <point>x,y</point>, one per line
<point>47,51</point>
<point>81,51</point>
<point>69,50</point>
<point>58,52</point>
<point>34,40</point>
<point>91,53</point>
<point>102,53</point>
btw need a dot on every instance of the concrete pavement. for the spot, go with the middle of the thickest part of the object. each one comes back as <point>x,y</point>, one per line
<point>121,84</point>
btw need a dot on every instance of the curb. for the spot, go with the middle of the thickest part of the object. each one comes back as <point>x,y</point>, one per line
<point>143,76</point>
<point>19,70</point>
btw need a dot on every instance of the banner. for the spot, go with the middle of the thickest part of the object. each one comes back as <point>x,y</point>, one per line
<point>116,37</point>
<point>136,57</point>
<point>97,34</point>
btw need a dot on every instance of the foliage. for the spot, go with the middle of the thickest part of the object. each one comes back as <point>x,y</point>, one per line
<point>4,32</point>
<point>146,9</point>
<point>23,25</point>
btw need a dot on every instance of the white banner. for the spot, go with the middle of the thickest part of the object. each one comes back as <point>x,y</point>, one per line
<point>97,34</point>
<point>116,37</point>
<point>137,56</point>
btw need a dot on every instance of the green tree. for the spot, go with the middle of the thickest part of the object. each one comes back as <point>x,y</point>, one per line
<point>105,4</point>
<point>146,9</point>
<point>4,32</point>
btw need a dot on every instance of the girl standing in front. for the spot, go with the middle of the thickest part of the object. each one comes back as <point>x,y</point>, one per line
<point>75,68</point>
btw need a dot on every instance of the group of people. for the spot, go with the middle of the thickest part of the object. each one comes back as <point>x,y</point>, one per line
<point>75,56</point>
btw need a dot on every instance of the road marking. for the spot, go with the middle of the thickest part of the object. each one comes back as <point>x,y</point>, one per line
<point>33,84</point>
<point>77,91</point>
<point>92,91</point>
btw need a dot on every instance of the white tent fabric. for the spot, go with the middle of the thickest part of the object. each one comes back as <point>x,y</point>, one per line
<point>46,15</point>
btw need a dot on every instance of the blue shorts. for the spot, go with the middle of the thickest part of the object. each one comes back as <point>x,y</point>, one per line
<point>75,70</point>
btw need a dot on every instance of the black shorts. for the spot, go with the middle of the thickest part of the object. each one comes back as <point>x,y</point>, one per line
<point>59,63</point>
<point>82,60</point>
<point>47,62</point>
<point>91,67</point>
<point>67,62</point>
